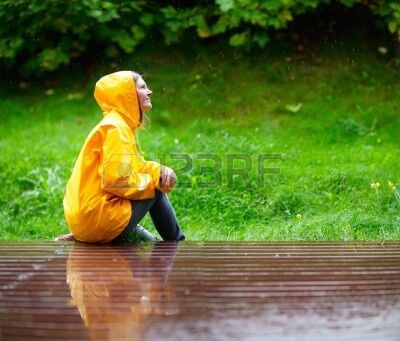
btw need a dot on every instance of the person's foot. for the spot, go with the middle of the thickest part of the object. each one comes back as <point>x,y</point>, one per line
<point>65,238</point>
<point>180,236</point>
<point>143,234</point>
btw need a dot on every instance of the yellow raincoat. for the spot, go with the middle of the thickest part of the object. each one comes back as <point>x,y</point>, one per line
<point>109,170</point>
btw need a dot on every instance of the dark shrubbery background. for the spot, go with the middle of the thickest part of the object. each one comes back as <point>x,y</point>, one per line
<point>40,36</point>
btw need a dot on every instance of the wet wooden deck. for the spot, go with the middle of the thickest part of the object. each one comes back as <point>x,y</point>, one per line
<point>197,291</point>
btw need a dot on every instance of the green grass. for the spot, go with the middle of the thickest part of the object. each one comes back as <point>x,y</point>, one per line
<point>343,138</point>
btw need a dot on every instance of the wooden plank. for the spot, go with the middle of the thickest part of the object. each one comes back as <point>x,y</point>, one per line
<point>198,290</point>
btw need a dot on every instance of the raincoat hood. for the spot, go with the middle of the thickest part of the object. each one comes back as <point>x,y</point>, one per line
<point>117,92</point>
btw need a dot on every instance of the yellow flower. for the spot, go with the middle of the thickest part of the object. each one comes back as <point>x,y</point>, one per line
<point>298,216</point>
<point>375,185</point>
<point>391,185</point>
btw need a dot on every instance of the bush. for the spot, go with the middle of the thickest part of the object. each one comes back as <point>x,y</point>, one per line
<point>39,36</point>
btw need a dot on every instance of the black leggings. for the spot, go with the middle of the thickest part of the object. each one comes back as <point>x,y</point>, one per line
<point>162,214</point>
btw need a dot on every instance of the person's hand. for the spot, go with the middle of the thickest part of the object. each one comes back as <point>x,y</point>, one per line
<point>167,179</point>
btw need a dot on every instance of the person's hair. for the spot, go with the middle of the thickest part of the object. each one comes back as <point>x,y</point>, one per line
<point>144,119</point>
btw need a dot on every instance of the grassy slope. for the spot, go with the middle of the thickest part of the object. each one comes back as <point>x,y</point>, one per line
<point>344,137</point>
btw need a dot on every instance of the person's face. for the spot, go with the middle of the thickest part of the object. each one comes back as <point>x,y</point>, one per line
<point>144,94</point>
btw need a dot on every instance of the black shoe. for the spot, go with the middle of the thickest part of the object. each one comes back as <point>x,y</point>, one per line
<point>180,236</point>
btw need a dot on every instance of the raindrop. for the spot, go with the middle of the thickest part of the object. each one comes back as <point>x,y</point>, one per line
<point>37,266</point>
<point>144,299</point>
<point>22,277</point>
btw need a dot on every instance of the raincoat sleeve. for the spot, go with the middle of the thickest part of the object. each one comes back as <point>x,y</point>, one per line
<point>123,170</point>
<point>150,167</point>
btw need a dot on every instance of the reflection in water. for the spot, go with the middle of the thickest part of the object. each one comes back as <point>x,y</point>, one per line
<point>115,288</point>
<point>237,291</point>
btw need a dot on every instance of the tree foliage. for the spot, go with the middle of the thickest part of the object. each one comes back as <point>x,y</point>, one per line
<point>38,36</point>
